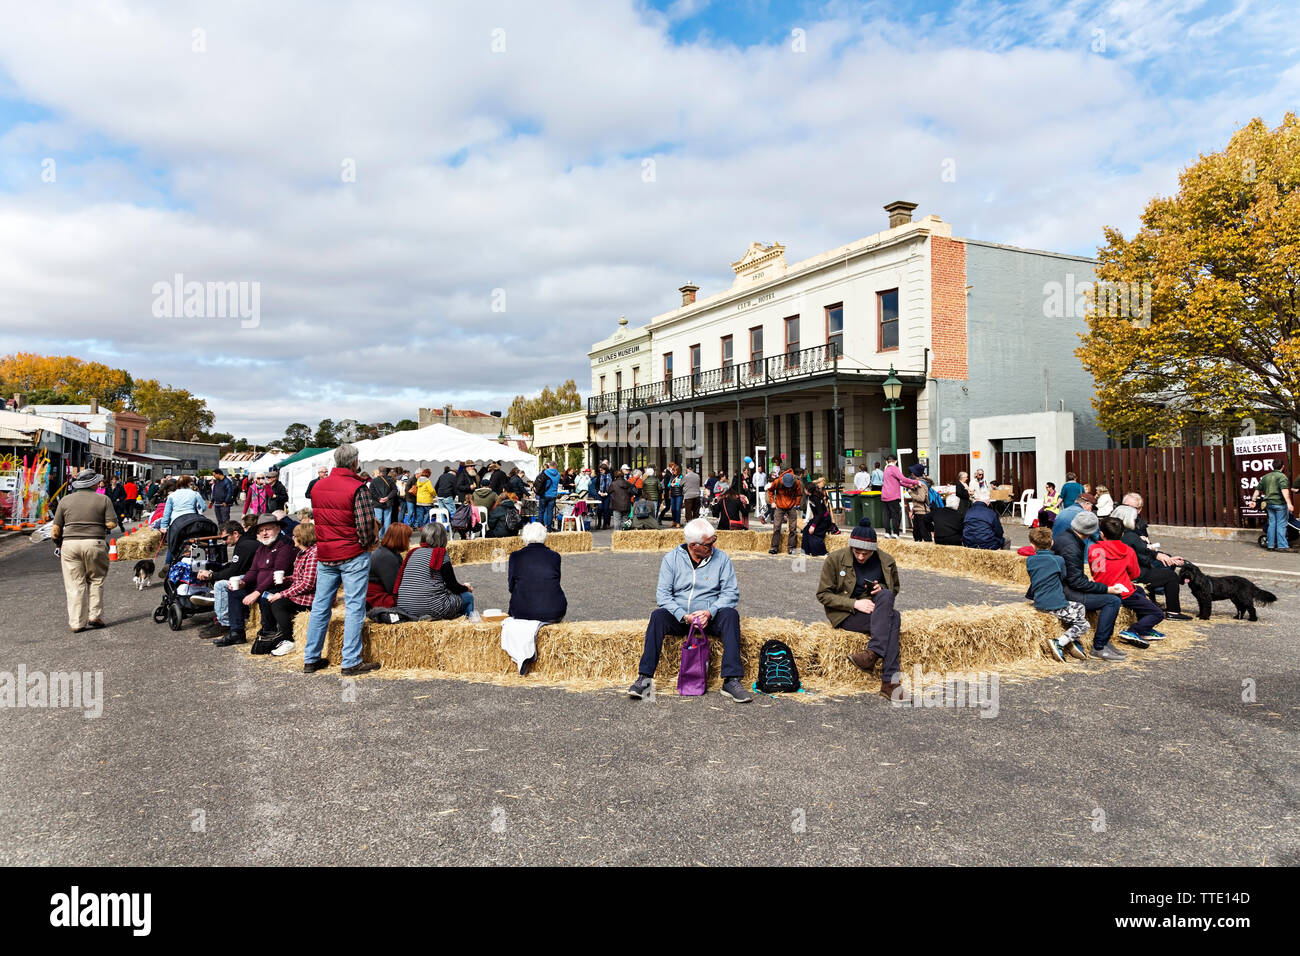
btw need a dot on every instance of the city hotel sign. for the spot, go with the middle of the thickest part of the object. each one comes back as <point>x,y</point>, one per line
<point>756,300</point>
<point>618,355</point>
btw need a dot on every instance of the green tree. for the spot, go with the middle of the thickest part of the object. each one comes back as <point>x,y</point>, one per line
<point>173,413</point>
<point>324,437</point>
<point>524,411</point>
<point>296,437</point>
<point>1221,260</point>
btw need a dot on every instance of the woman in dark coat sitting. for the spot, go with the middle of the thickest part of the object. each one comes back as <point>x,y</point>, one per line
<point>385,562</point>
<point>534,579</point>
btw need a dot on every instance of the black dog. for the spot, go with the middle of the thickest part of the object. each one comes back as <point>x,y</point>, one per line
<point>143,571</point>
<point>1238,590</point>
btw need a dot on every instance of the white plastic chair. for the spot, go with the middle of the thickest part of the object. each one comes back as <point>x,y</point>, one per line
<point>1023,503</point>
<point>574,514</point>
<point>482,520</point>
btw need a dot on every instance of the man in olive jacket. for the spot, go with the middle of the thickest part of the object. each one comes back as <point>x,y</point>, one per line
<point>858,587</point>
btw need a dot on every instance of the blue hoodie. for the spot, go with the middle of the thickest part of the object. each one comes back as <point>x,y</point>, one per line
<point>685,588</point>
<point>553,479</point>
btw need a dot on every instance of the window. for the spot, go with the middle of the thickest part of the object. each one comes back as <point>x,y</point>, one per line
<point>618,381</point>
<point>887,310</point>
<point>756,350</point>
<point>835,328</point>
<point>728,358</point>
<point>602,385</point>
<point>695,365</point>
<point>791,340</point>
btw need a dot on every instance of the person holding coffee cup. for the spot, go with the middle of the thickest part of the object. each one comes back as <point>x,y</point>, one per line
<point>274,553</point>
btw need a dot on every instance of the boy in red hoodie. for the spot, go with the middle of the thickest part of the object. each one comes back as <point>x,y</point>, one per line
<point>1113,562</point>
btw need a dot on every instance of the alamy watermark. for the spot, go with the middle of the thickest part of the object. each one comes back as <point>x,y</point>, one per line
<point>975,689</point>
<point>1073,299</point>
<point>75,690</point>
<point>653,430</point>
<point>179,299</point>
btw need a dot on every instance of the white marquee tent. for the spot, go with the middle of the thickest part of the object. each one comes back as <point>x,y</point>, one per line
<point>430,447</point>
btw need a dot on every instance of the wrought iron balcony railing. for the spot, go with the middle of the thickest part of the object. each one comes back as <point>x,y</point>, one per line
<point>717,381</point>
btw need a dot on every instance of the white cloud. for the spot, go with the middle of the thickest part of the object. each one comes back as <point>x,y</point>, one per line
<point>377,294</point>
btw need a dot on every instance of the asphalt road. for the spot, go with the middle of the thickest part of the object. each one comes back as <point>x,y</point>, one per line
<point>202,757</point>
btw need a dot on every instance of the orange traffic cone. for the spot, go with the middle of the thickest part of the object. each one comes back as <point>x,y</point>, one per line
<point>112,551</point>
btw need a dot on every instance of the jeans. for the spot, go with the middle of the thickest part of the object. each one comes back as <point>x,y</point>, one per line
<point>882,625</point>
<point>1277,527</point>
<point>384,516</point>
<point>547,513</point>
<point>354,575</point>
<point>1107,608</point>
<point>221,602</point>
<point>724,624</point>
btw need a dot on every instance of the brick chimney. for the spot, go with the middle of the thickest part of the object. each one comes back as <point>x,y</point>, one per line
<point>688,293</point>
<point>900,212</point>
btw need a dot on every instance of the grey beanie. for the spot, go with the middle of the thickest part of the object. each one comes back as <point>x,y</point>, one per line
<point>1085,522</point>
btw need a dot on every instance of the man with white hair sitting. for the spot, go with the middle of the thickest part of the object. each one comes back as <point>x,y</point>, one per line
<point>697,585</point>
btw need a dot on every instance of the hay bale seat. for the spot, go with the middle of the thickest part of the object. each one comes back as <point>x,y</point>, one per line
<point>139,545</point>
<point>587,654</point>
<point>486,550</point>
<point>995,567</point>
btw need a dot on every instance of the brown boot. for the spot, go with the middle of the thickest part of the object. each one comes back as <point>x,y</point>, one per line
<point>867,660</point>
<point>895,692</point>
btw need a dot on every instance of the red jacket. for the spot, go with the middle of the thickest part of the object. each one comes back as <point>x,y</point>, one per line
<point>336,522</point>
<point>1114,562</point>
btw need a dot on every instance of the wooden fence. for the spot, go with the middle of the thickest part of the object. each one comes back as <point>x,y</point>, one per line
<point>1193,487</point>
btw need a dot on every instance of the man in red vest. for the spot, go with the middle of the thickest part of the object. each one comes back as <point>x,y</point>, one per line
<point>344,514</point>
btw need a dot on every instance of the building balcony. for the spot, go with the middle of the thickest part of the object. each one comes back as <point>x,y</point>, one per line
<point>734,381</point>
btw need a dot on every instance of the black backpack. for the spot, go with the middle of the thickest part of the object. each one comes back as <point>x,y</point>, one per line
<point>540,484</point>
<point>512,520</point>
<point>777,671</point>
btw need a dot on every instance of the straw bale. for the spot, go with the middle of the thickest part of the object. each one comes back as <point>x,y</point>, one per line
<point>486,550</point>
<point>139,545</point>
<point>595,654</point>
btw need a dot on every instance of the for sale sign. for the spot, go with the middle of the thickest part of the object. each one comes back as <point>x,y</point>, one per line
<point>1255,455</point>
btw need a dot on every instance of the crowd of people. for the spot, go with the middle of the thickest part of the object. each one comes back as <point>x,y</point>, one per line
<point>374,537</point>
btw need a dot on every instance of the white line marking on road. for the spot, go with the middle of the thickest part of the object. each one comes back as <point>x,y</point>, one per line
<point>1233,567</point>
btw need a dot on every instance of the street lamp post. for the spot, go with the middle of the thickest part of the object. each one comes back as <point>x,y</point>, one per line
<point>893,388</point>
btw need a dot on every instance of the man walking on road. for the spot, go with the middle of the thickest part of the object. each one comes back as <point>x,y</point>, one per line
<point>81,522</point>
<point>344,514</point>
<point>1275,490</point>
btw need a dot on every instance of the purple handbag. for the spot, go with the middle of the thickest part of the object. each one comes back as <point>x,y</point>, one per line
<point>693,676</point>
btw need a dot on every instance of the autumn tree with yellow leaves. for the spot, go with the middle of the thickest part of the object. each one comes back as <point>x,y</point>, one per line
<point>1222,259</point>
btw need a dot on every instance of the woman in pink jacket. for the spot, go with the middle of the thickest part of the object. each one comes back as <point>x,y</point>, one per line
<point>891,496</point>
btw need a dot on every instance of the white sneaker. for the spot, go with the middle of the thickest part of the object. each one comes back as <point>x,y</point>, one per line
<point>284,647</point>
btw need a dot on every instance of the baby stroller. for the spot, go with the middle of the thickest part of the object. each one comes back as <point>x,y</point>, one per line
<point>194,543</point>
<point>1292,532</point>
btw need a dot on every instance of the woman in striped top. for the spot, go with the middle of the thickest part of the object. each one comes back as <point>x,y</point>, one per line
<point>427,585</point>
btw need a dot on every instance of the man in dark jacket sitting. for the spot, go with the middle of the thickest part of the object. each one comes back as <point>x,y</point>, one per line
<point>241,545</point>
<point>533,576</point>
<point>1093,595</point>
<point>949,521</point>
<point>982,528</point>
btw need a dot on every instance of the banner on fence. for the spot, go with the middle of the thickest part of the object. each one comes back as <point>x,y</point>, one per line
<point>1255,455</point>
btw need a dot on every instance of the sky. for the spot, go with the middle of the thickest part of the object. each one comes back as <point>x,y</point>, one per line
<point>438,203</point>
